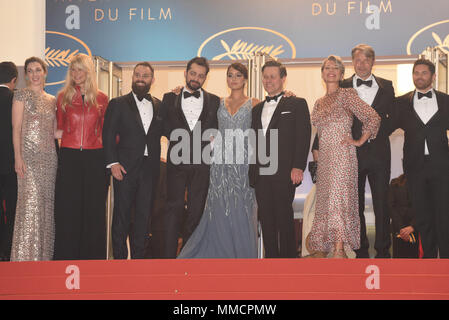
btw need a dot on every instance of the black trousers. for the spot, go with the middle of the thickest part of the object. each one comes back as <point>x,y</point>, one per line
<point>135,191</point>
<point>379,180</point>
<point>8,202</point>
<point>429,192</point>
<point>275,211</point>
<point>80,205</point>
<point>194,179</point>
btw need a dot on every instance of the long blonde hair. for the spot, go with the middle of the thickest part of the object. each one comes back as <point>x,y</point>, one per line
<point>85,63</point>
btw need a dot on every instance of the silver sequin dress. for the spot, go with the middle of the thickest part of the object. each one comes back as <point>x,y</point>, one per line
<point>34,223</point>
<point>228,226</point>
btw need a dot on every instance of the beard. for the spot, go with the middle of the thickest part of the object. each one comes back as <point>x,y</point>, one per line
<point>422,84</point>
<point>141,91</point>
<point>193,85</point>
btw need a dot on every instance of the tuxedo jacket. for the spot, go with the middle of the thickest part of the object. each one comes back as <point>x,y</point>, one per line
<point>174,118</point>
<point>292,120</point>
<point>416,132</point>
<point>377,151</point>
<point>122,120</point>
<point>6,146</point>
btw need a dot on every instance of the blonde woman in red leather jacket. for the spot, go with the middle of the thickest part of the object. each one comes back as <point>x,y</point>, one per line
<point>81,183</point>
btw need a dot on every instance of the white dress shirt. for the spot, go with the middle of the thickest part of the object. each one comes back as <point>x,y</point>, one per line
<point>267,113</point>
<point>366,93</point>
<point>192,108</point>
<point>146,114</point>
<point>425,108</point>
<point>145,108</point>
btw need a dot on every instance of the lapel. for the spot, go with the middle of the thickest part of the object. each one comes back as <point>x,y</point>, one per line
<point>440,106</point>
<point>435,115</point>
<point>276,115</point>
<point>179,112</point>
<point>134,110</point>
<point>379,92</point>
<point>258,116</point>
<point>155,113</point>
<point>412,106</point>
<point>203,113</point>
<point>350,84</point>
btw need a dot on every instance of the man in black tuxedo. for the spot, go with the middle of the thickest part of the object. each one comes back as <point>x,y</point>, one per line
<point>8,178</point>
<point>423,114</point>
<point>275,180</point>
<point>374,157</point>
<point>187,116</point>
<point>134,120</point>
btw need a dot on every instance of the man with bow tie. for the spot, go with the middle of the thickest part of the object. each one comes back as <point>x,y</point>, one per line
<point>186,117</point>
<point>423,114</point>
<point>374,157</point>
<point>287,119</point>
<point>132,132</point>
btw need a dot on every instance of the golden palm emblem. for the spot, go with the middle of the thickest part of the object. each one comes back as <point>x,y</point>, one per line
<point>443,45</point>
<point>242,50</point>
<point>58,58</point>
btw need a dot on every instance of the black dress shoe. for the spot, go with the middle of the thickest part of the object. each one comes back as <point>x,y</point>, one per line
<point>362,255</point>
<point>383,256</point>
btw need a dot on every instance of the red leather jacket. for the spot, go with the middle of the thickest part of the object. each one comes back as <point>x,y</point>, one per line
<point>82,125</point>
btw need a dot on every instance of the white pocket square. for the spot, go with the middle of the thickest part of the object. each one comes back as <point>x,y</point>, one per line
<point>285,112</point>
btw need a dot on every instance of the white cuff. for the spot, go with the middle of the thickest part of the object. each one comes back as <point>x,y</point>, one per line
<point>110,165</point>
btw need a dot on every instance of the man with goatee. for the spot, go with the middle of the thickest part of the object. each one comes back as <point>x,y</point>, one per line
<point>423,114</point>
<point>131,139</point>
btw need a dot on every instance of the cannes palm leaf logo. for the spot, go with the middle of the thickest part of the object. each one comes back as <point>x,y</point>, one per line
<point>242,50</point>
<point>443,45</point>
<point>58,57</point>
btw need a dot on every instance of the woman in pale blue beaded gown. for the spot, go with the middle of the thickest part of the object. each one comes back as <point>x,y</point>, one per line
<point>33,120</point>
<point>228,227</point>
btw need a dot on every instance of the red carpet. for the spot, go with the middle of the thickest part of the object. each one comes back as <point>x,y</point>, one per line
<point>289,279</point>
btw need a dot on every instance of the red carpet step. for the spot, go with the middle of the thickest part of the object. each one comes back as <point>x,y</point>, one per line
<point>215,279</point>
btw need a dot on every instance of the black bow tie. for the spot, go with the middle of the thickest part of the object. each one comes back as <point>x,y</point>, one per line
<point>275,98</point>
<point>368,83</point>
<point>428,94</point>
<point>195,94</point>
<point>146,96</point>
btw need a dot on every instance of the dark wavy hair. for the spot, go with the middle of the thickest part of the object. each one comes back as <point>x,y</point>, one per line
<point>425,62</point>
<point>240,68</point>
<point>201,61</point>
<point>35,59</point>
<point>8,71</point>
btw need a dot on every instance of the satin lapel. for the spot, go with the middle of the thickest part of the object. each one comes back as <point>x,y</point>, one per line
<point>412,106</point>
<point>258,117</point>
<point>155,113</point>
<point>276,115</point>
<point>179,111</point>
<point>203,114</point>
<point>133,107</point>
<point>440,103</point>
<point>378,94</point>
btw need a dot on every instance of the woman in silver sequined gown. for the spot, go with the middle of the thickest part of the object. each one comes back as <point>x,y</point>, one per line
<point>228,226</point>
<point>35,164</point>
